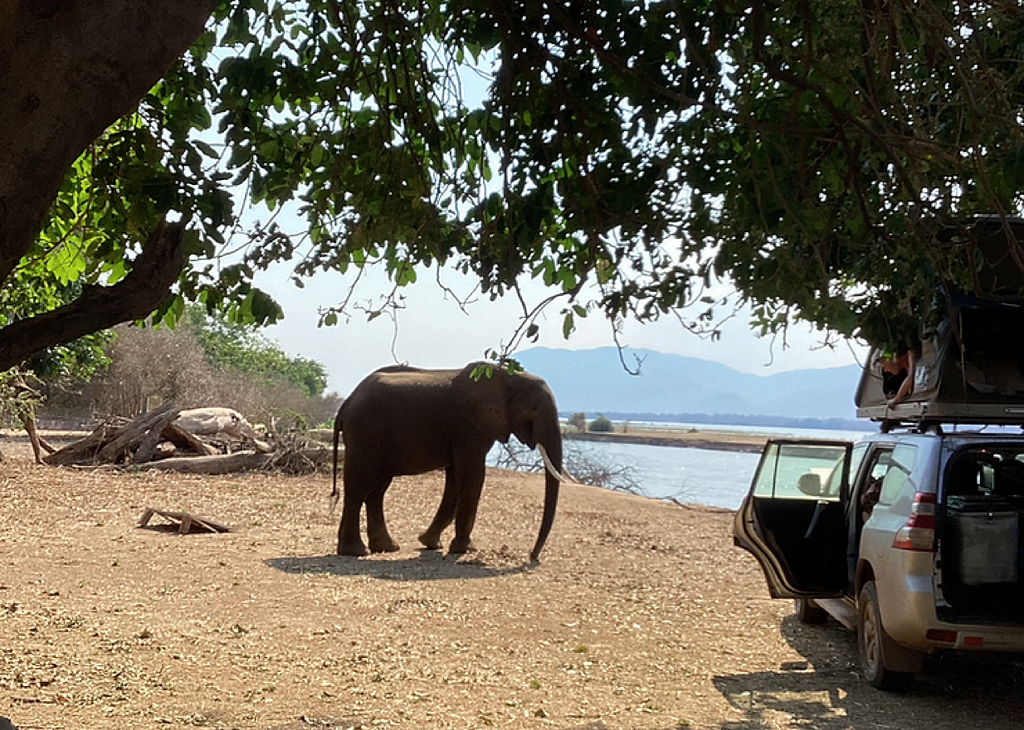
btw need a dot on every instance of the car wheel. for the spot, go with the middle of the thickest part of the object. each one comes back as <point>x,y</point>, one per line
<point>809,612</point>
<point>870,637</point>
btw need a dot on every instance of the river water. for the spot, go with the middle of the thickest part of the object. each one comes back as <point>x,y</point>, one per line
<point>699,476</point>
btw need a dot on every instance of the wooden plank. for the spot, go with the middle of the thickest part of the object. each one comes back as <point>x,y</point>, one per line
<point>184,520</point>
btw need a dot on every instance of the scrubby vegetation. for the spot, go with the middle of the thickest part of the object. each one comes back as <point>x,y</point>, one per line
<point>204,361</point>
<point>580,462</point>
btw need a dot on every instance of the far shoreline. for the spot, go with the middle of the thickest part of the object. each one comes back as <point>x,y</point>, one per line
<point>750,443</point>
<point>685,436</point>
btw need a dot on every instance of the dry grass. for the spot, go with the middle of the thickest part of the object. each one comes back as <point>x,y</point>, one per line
<point>641,615</point>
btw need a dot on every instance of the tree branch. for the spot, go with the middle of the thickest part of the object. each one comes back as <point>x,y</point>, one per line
<point>143,290</point>
<point>68,70</point>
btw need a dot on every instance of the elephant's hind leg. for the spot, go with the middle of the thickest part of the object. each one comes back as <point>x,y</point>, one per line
<point>355,490</point>
<point>376,527</point>
<point>349,541</point>
<point>431,537</point>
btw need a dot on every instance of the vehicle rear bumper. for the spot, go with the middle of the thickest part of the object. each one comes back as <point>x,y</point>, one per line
<point>910,620</point>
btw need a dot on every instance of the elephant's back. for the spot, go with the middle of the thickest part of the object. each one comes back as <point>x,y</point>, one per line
<point>392,397</point>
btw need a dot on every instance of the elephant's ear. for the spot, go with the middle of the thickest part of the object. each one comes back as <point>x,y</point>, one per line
<point>483,402</point>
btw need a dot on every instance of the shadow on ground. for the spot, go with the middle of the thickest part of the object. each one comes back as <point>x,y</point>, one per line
<point>428,565</point>
<point>828,692</point>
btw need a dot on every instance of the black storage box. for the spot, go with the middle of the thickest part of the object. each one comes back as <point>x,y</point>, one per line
<point>985,535</point>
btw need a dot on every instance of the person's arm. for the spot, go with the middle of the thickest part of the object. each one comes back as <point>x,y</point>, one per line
<point>907,386</point>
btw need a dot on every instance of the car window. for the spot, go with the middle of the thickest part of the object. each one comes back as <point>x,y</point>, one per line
<point>986,469</point>
<point>870,484</point>
<point>801,471</point>
<point>901,464</point>
<point>856,457</point>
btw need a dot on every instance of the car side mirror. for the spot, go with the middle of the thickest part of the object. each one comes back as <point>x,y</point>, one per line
<point>809,484</point>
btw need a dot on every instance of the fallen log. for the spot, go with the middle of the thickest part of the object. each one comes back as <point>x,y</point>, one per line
<point>218,464</point>
<point>84,450</point>
<point>237,462</point>
<point>138,433</point>
<point>184,440</point>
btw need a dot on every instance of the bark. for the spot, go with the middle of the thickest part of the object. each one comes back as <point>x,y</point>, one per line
<point>68,70</point>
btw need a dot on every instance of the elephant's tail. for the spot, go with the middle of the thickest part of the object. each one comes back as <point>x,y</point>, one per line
<point>335,494</point>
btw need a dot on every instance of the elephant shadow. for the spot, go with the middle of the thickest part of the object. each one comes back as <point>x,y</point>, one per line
<point>428,565</point>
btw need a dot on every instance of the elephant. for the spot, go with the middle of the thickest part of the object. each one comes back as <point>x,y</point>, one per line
<point>402,420</point>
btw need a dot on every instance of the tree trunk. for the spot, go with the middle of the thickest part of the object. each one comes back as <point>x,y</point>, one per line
<point>68,70</point>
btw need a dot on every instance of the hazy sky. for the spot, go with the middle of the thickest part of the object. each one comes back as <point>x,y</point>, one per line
<point>432,331</point>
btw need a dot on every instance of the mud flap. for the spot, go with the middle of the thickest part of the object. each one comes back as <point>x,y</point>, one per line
<point>899,658</point>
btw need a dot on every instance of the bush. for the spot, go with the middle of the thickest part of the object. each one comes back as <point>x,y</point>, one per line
<point>578,421</point>
<point>600,425</point>
<point>151,366</point>
<point>582,464</point>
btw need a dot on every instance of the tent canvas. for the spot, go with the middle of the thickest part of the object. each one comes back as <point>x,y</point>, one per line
<point>971,370</point>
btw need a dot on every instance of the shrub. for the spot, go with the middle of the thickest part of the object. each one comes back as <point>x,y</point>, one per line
<point>600,425</point>
<point>578,421</point>
<point>580,462</point>
<point>150,366</point>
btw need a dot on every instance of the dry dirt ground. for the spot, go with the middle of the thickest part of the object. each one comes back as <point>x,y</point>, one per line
<point>641,615</point>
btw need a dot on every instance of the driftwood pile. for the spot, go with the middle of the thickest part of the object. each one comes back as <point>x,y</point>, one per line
<point>154,441</point>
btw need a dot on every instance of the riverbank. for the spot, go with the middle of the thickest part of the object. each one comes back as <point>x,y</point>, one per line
<point>688,437</point>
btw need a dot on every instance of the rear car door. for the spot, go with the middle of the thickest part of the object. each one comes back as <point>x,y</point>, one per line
<point>793,519</point>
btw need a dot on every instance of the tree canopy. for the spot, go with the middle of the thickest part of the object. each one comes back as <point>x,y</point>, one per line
<point>826,157</point>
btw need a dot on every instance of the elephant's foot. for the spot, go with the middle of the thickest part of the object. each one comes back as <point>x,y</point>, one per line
<point>430,541</point>
<point>383,545</point>
<point>461,545</point>
<point>357,549</point>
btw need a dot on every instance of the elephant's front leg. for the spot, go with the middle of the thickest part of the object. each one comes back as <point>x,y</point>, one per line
<point>376,527</point>
<point>431,537</point>
<point>469,474</point>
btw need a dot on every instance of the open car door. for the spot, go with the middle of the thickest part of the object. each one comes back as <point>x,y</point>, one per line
<point>793,520</point>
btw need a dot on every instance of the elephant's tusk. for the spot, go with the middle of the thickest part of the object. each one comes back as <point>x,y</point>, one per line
<point>562,476</point>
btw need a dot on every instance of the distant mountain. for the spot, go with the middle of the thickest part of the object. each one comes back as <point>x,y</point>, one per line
<point>594,381</point>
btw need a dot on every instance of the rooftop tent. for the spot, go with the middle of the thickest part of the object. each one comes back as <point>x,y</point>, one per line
<point>972,369</point>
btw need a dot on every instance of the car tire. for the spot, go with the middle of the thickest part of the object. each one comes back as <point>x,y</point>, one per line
<point>809,612</point>
<point>871,637</point>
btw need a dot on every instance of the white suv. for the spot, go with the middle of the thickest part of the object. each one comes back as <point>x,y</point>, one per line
<point>936,564</point>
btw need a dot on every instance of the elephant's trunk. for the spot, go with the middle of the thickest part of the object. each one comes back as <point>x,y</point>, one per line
<point>552,456</point>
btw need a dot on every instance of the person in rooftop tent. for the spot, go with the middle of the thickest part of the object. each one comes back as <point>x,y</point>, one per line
<point>897,375</point>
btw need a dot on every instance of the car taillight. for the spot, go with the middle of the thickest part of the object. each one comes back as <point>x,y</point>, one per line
<point>919,532</point>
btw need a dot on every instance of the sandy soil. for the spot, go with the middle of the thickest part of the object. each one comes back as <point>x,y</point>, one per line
<point>641,615</point>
